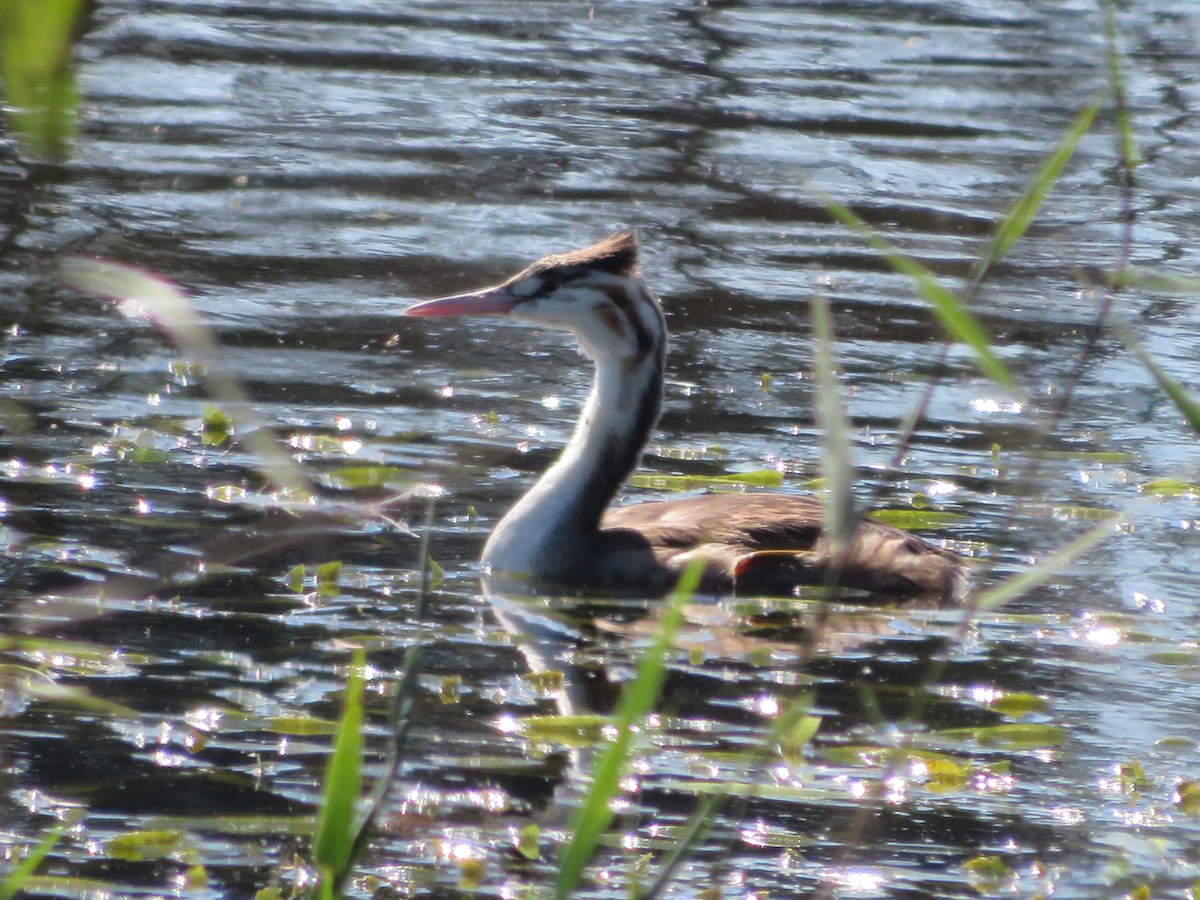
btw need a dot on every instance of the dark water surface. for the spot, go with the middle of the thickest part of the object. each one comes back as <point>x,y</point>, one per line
<point>305,169</point>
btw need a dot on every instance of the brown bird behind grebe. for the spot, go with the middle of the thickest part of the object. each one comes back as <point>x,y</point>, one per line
<point>562,534</point>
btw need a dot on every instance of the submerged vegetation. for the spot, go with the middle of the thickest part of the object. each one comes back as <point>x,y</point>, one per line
<point>306,491</point>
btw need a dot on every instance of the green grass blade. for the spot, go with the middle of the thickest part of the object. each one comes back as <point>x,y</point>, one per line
<point>1116,81</point>
<point>637,700</point>
<point>333,841</point>
<point>16,879</point>
<point>837,469</point>
<point>36,73</point>
<point>701,820</point>
<point>1172,388</point>
<point>1017,222</point>
<point>1159,282</point>
<point>140,294</point>
<point>400,713</point>
<point>954,316</point>
<point>1048,568</point>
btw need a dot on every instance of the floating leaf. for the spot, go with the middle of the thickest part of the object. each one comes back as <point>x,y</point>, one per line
<point>295,578</point>
<point>471,873</point>
<point>299,726</point>
<point>1171,487</point>
<point>364,477</point>
<point>298,825</point>
<point>547,681</point>
<point>1132,775</point>
<point>1187,797</point>
<point>1099,456</point>
<point>216,427</point>
<point>988,873</point>
<point>1160,282</point>
<point>798,736</point>
<point>317,443</point>
<point>759,478</point>
<point>450,689</point>
<point>1017,704</point>
<point>1015,735</point>
<point>762,835</point>
<point>196,878</point>
<point>141,845</point>
<point>939,772</point>
<point>945,775</point>
<point>916,519</point>
<point>573,731</point>
<point>145,455</point>
<point>328,576</point>
<point>1189,657</point>
<point>529,842</point>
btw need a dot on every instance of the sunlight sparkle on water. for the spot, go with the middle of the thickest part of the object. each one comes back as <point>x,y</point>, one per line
<point>205,718</point>
<point>940,488</point>
<point>985,693</point>
<point>1103,635</point>
<point>1139,818</point>
<point>992,405</point>
<point>1148,603</point>
<point>459,850</point>
<point>865,881</point>
<point>897,789</point>
<point>755,835</point>
<point>167,759</point>
<point>765,705</point>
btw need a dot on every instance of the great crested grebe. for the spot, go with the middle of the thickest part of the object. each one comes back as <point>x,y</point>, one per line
<point>562,534</point>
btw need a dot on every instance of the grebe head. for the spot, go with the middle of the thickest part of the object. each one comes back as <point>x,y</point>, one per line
<point>596,293</point>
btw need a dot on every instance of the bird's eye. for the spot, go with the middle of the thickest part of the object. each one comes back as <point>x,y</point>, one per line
<point>550,284</point>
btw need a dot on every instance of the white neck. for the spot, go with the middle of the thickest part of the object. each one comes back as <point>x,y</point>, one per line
<point>550,533</point>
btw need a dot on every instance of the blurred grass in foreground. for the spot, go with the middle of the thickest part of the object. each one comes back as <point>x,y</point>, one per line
<point>36,38</point>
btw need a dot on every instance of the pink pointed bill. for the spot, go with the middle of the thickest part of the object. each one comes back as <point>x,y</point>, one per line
<point>496,301</point>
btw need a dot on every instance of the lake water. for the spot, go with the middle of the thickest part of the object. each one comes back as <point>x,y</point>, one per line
<point>304,170</point>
